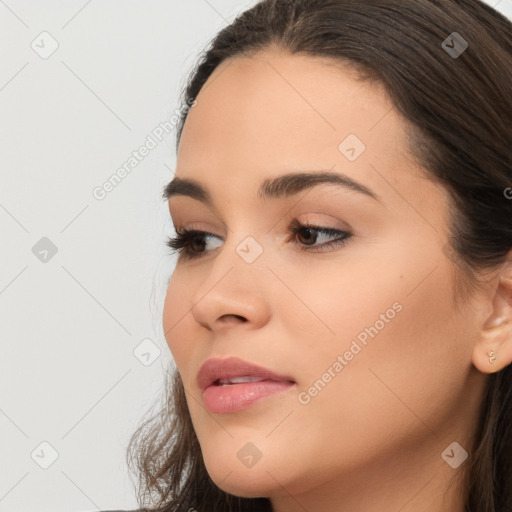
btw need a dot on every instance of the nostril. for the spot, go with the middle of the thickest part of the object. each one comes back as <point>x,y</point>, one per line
<point>233,317</point>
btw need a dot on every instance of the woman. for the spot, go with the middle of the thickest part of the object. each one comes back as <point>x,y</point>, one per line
<point>340,313</point>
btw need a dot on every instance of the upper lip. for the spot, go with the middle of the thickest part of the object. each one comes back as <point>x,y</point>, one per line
<point>232,367</point>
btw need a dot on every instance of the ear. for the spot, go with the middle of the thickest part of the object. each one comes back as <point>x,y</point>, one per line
<point>493,348</point>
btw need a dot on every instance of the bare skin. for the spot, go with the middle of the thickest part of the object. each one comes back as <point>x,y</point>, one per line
<point>372,438</point>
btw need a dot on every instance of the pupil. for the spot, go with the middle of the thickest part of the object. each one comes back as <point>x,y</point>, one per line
<point>197,243</point>
<point>309,237</point>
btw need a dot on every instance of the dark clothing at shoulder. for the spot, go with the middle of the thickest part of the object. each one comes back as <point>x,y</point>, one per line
<point>138,510</point>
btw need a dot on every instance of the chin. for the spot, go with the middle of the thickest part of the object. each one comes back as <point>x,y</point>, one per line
<point>231,475</point>
<point>245,484</point>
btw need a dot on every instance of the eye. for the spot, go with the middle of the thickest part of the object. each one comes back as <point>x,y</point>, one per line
<point>191,244</point>
<point>311,234</point>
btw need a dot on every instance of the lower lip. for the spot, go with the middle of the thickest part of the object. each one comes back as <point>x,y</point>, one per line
<point>236,397</point>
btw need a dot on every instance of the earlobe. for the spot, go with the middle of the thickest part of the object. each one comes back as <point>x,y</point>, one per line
<point>493,348</point>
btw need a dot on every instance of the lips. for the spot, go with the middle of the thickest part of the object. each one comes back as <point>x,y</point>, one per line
<point>234,371</point>
<point>232,385</point>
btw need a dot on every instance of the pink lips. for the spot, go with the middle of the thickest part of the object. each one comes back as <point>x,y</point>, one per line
<point>230,385</point>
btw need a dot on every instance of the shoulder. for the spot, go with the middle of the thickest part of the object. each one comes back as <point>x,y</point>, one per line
<point>138,510</point>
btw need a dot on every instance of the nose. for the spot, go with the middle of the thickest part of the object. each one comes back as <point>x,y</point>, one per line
<point>235,293</point>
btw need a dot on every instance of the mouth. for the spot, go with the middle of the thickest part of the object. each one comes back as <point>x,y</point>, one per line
<point>230,385</point>
<point>236,380</point>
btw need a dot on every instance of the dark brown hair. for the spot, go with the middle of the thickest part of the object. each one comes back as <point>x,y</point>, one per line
<point>460,112</point>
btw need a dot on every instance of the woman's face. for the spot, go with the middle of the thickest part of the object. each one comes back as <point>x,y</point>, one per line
<point>367,330</point>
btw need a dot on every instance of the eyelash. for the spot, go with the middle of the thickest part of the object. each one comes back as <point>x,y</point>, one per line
<point>182,241</point>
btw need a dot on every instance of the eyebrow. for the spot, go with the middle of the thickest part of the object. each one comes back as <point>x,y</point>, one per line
<point>271,188</point>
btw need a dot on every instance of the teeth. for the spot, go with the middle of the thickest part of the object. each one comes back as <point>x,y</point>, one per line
<point>239,380</point>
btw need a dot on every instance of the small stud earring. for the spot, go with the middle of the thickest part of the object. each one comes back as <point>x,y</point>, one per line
<point>492,357</point>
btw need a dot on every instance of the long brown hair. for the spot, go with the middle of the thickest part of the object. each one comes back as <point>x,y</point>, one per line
<point>460,110</point>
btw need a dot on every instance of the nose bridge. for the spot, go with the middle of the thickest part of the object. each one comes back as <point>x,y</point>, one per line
<point>235,284</point>
<point>238,265</point>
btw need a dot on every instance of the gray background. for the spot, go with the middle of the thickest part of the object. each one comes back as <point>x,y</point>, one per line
<point>82,350</point>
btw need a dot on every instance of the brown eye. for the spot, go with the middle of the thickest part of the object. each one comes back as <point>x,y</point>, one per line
<point>308,236</point>
<point>197,244</point>
<point>190,244</point>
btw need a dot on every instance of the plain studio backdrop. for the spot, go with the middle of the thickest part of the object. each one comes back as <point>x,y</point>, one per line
<point>88,96</point>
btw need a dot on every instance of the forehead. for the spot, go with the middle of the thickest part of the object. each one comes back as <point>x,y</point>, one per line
<point>275,111</point>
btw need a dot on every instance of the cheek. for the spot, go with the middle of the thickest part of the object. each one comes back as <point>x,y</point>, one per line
<point>177,317</point>
<point>405,350</point>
